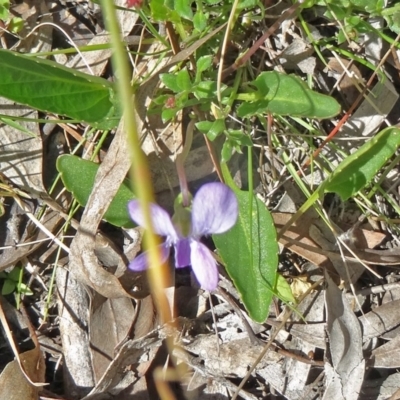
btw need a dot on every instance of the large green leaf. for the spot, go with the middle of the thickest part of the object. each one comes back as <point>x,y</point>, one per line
<point>78,177</point>
<point>51,87</point>
<point>286,95</point>
<point>250,254</point>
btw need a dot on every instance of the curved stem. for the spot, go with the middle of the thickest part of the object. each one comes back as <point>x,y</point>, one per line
<point>180,161</point>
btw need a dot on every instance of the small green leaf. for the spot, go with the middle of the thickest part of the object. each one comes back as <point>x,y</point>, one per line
<point>283,290</point>
<point>206,89</point>
<point>14,274</point>
<point>200,20</point>
<point>159,11</point>
<point>16,25</point>
<point>238,136</point>
<point>227,151</point>
<point>204,63</point>
<point>4,10</point>
<point>184,9</point>
<point>183,80</point>
<point>286,95</point>
<point>171,82</point>
<point>49,86</point>
<point>168,114</point>
<point>8,287</point>
<point>24,289</point>
<point>357,170</point>
<point>204,126</point>
<point>216,128</point>
<point>78,177</point>
<point>254,275</point>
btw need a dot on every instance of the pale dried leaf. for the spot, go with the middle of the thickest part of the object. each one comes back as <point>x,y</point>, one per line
<point>387,355</point>
<point>128,354</point>
<point>33,13</point>
<point>74,306</point>
<point>13,383</point>
<point>381,320</point>
<point>110,323</point>
<point>345,375</point>
<point>20,153</point>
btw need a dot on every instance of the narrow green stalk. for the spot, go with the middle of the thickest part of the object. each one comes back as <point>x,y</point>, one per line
<point>251,198</point>
<point>141,175</point>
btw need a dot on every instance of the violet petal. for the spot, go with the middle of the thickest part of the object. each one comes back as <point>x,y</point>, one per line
<point>141,262</point>
<point>204,266</point>
<point>182,253</point>
<point>162,223</point>
<point>214,209</point>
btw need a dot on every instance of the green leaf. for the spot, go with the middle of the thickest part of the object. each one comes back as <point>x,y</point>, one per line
<point>286,95</point>
<point>241,138</point>
<point>183,80</point>
<point>4,10</point>
<point>227,151</point>
<point>216,128</point>
<point>78,177</point>
<point>357,170</point>
<point>16,25</point>
<point>283,290</point>
<point>203,63</point>
<point>184,9</point>
<point>48,86</point>
<point>200,20</point>
<point>14,274</point>
<point>24,289</point>
<point>253,274</point>
<point>8,287</point>
<point>206,89</point>
<point>159,11</point>
<point>204,126</point>
<point>168,114</point>
<point>171,82</point>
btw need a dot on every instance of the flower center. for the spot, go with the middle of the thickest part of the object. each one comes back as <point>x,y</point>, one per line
<point>182,218</point>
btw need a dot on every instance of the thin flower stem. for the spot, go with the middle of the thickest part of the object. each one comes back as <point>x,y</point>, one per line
<point>180,161</point>
<point>159,276</point>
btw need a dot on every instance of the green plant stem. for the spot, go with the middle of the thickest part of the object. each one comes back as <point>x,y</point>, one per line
<point>180,161</point>
<point>141,174</point>
<point>251,197</point>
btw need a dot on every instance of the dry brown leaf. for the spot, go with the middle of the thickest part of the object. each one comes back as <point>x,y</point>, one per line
<point>299,239</point>
<point>22,378</point>
<point>109,324</point>
<point>127,355</point>
<point>13,383</point>
<point>346,366</point>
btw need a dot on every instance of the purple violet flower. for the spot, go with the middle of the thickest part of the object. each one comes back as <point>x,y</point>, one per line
<point>214,210</point>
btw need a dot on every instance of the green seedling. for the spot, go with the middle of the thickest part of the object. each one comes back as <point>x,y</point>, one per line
<point>356,171</point>
<point>78,177</point>
<point>13,283</point>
